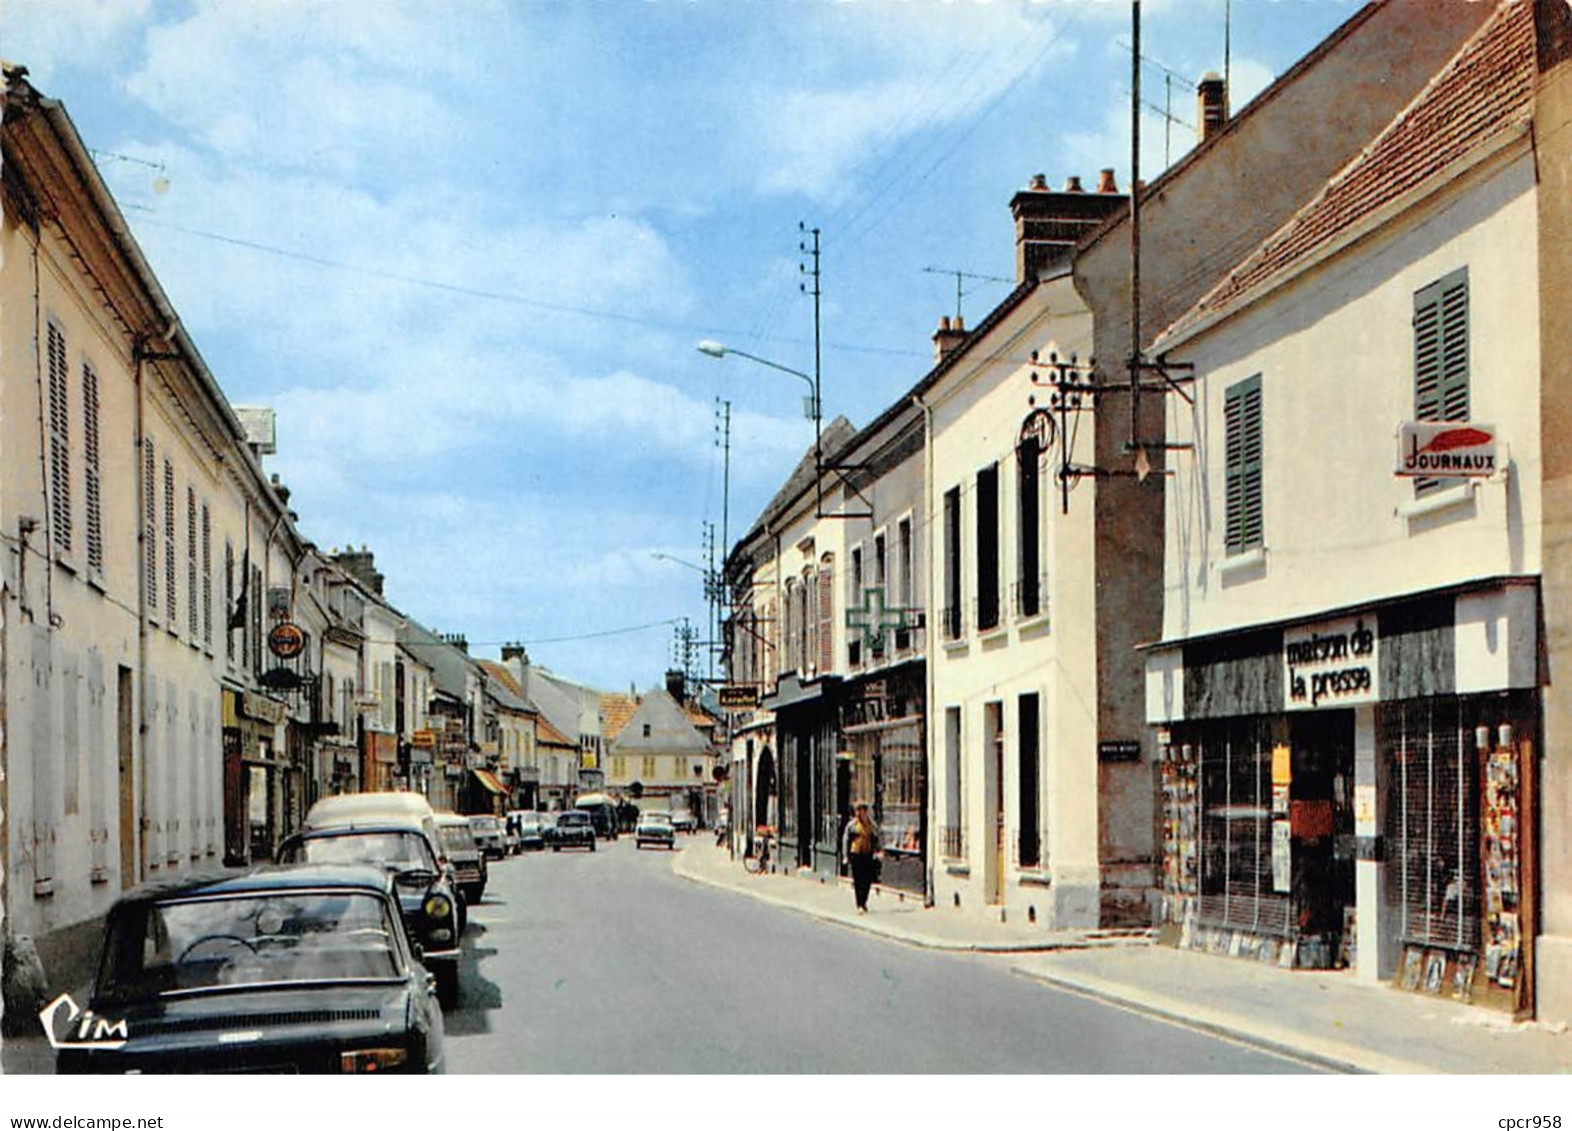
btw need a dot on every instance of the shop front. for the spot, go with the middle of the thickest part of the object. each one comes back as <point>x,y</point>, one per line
<point>883,726</point>
<point>379,761</point>
<point>256,777</point>
<point>1358,791</point>
<point>814,785</point>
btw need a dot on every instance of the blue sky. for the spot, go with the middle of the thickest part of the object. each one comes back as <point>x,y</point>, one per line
<point>465,249</point>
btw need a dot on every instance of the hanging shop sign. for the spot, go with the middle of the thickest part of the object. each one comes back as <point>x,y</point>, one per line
<point>738,697</point>
<point>1450,450</point>
<point>1333,664</point>
<point>425,739</point>
<point>286,640</point>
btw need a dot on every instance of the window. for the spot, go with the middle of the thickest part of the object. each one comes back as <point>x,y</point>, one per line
<point>954,806</point>
<point>1028,594</point>
<point>825,636</point>
<point>1027,750</point>
<point>952,564</point>
<point>648,766</point>
<point>92,470</point>
<point>59,442</point>
<point>1242,471</point>
<point>988,547</point>
<point>903,563</point>
<point>169,544</point>
<point>878,562</point>
<point>1441,357</point>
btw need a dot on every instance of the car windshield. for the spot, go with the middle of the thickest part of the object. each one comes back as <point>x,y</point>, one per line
<point>657,817</point>
<point>572,820</point>
<point>457,838</point>
<point>485,824</point>
<point>154,949</point>
<point>397,851</point>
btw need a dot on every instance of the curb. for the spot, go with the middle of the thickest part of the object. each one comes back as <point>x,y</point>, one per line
<point>1329,1055</point>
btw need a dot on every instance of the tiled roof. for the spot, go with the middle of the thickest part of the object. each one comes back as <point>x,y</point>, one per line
<point>1486,90</point>
<point>615,711</point>
<point>548,735</point>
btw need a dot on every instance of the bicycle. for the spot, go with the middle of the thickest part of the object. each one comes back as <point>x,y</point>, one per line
<point>757,862</point>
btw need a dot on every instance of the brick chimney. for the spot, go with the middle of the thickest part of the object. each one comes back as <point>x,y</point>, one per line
<point>948,336</point>
<point>1211,110</point>
<point>514,651</point>
<point>361,565</point>
<point>457,640</point>
<point>677,685</point>
<point>1048,224</point>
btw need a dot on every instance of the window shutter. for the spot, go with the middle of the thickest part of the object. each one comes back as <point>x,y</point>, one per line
<point>194,610</point>
<point>150,524</point>
<point>826,657</point>
<point>1441,357</point>
<point>92,474</point>
<point>207,575</point>
<point>59,441</point>
<point>1242,428</point>
<point>171,570</point>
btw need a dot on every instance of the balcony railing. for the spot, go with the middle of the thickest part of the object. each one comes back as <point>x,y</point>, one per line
<point>1029,597</point>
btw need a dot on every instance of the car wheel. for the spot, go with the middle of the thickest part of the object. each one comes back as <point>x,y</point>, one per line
<point>556,848</point>
<point>592,846</point>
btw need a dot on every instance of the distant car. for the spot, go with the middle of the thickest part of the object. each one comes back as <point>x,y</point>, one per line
<point>297,970</point>
<point>488,833</point>
<point>429,904</point>
<point>602,812</point>
<point>469,862</point>
<point>529,830</point>
<point>574,829</point>
<point>654,827</point>
<point>684,822</point>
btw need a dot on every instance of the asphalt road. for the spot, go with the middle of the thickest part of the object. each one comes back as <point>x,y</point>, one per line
<point>606,962</point>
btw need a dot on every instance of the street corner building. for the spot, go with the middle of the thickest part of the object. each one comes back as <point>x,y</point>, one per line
<point>1362,762</point>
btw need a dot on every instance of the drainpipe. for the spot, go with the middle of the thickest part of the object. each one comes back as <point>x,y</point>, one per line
<point>929,854</point>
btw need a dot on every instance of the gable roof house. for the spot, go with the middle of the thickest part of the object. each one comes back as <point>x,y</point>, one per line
<point>1357,552</point>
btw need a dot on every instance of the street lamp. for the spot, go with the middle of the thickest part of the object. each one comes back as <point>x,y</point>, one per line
<point>715,349</point>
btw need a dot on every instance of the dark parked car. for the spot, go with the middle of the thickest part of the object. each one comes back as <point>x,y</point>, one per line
<point>574,829</point>
<point>428,901</point>
<point>655,828</point>
<point>469,862</point>
<point>303,969</point>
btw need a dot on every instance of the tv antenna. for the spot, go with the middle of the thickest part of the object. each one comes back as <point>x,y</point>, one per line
<point>960,278</point>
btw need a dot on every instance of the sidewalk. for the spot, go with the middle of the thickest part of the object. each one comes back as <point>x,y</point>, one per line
<point>1324,1018</point>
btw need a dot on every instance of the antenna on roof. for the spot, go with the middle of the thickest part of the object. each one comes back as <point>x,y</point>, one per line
<point>959,276</point>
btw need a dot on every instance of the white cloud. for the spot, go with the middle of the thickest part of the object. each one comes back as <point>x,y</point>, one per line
<point>46,35</point>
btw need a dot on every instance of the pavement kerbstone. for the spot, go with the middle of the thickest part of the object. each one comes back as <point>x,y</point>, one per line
<point>1328,1019</point>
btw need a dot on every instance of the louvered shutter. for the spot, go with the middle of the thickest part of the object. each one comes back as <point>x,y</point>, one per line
<point>1242,457</point>
<point>150,524</point>
<point>59,442</point>
<point>826,657</point>
<point>93,494</point>
<point>193,604</point>
<point>1441,357</point>
<point>171,569</point>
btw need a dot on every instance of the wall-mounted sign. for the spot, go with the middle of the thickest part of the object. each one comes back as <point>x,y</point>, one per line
<point>738,697</point>
<point>286,640</point>
<point>279,599</point>
<point>1332,664</point>
<point>425,739</point>
<point>1450,450</point>
<point>1119,750</point>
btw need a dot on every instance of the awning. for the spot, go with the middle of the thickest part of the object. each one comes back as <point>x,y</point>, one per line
<point>489,780</point>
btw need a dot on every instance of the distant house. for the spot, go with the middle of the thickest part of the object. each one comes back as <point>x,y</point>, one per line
<point>660,759</point>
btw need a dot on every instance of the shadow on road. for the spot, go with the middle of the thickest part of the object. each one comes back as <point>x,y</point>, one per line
<point>477,995</point>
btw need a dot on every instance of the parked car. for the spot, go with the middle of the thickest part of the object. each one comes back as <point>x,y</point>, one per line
<point>602,811</point>
<point>654,827</point>
<point>529,830</point>
<point>361,810</point>
<point>574,828</point>
<point>469,862</point>
<point>684,822</point>
<point>302,969</point>
<point>489,835</point>
<point>428,902</point>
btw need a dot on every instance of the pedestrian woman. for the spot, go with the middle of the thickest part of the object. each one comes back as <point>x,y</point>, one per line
<point>860,851</point>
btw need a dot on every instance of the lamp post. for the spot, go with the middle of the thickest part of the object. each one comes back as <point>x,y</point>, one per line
<point>715,349</point>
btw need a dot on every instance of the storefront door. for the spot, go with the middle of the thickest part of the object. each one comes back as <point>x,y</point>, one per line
<point>1322,827</point>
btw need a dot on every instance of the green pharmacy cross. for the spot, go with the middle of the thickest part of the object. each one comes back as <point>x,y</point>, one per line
<point>874,618</point>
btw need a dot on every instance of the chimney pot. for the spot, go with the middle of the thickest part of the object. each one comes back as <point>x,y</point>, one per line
<point>1039,183</point>
<point>1106,182</point>
<point>1211,96</point>
<point>944,323</point>
<point>1073,185</point>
